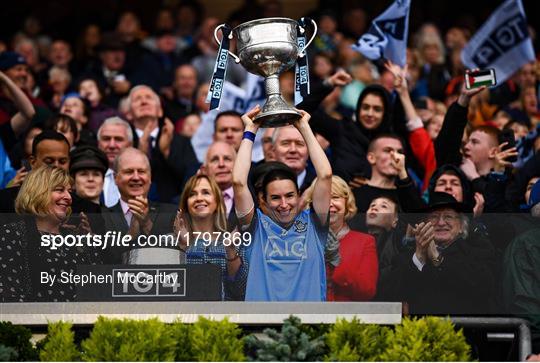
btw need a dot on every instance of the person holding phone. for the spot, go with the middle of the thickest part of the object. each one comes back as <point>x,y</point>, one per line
<point>286,256</point>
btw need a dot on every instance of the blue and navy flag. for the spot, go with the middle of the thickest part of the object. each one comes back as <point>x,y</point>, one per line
<point>387,35</point>
<point>502,43</point>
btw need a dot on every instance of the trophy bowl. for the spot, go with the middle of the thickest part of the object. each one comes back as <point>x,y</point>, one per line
<point>268,47</point>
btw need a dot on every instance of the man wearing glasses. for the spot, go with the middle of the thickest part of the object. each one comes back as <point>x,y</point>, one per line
<point>450,271</point>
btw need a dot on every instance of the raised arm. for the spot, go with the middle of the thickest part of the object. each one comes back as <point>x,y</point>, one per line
<point>243,200</point>
<point>322,190</point>
<point>21,120</point>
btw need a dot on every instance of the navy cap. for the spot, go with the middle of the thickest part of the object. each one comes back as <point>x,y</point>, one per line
<point>10,59</point>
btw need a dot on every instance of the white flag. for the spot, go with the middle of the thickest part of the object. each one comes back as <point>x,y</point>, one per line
<point>387,35</point>
<point>502,43</point>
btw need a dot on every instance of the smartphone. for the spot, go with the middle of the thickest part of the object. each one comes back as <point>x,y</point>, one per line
<point>26,164</point>
<point>485,77</point>
<point>508,136</point>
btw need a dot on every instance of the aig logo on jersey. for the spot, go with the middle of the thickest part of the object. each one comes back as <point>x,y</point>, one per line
<point>281,250</point>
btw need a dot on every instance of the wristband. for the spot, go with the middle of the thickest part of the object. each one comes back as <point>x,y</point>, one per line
<point>249,135</point>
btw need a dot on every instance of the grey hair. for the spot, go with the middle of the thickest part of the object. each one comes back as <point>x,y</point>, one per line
<point>135,89</point>
<point>275,135</point>
<point>116,121</point>
<point>116,163</point>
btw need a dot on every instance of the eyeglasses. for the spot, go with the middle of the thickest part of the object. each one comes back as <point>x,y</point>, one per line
<point>447,218</point>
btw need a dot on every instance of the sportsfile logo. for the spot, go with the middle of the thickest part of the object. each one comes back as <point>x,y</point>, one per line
<point>130,282</point>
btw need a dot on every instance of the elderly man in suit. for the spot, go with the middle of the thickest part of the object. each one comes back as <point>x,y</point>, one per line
<point>135,215</point>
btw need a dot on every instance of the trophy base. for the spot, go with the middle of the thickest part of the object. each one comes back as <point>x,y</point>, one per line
<point>277,118</point>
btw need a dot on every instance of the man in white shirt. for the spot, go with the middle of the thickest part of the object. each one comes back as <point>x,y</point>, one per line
<point>114,135</point>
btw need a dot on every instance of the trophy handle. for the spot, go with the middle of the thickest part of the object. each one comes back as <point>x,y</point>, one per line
<point>236,59</point>
<point>302,52</point>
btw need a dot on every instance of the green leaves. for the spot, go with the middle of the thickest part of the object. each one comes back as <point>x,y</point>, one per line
<point>427,339</point>
<point>354,341</point>
<point>18,339</point>
<point>59,344</point>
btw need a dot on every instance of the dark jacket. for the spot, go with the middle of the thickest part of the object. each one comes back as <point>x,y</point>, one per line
<point>463,284</point>
<point>348,138</point>
<point>161,214</point>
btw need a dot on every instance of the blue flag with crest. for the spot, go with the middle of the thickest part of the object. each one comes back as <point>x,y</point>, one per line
<point>503,42</point>
<point>387,35</point>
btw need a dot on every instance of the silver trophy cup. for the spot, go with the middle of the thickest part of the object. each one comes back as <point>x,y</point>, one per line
<point>268,47</point>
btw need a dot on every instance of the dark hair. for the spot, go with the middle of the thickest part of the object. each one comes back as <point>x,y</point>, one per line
<point>53,122</point>
<point>227,113</point>
<point>100,88</point>
<point>278,174</point>
<point>384,136</point>
<point>48,135</point>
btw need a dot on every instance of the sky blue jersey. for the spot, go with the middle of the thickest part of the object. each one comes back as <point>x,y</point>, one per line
<point>286,264</point>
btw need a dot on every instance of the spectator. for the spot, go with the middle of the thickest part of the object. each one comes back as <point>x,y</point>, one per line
<point>520,290</point>
<point>218,165</point>
<point>382,221</point>
<point>58,85</point>
<point>355,277</point>
<point>44,202</point>
<point>228,128</point>
<point>450,271</point>
<point>65,125</point>
<point>79,109</point>
<point>289,147</point>
<point>114,136</point>
<point>89,90</point>
<point>112,73</point>
<point>190,125</point>
<point>171,155</point>
<point>16,109</point>
<point>202,209</point>
<point>182,100</point>
<point>285,263</point>
<point>135,214</point>
<point>388,174</point>
<point>87,168</point>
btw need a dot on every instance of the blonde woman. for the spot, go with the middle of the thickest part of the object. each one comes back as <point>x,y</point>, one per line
<point>26,251</point>
<point>202,225</point>
<point>354,278</point>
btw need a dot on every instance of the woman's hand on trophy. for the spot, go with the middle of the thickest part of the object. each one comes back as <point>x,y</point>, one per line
<point>303,122</point>
<point>247,119</point>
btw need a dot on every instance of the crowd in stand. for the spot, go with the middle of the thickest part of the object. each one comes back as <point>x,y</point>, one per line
<point>397,184</point>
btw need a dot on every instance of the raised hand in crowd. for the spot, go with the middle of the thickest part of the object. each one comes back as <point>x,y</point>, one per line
<point>21,120</point>
<point>339,79</point>
<point>400,77</point>
<point>469,169</point>
<point>165,140</point>
<point>502,156</point>
<point>465,94</point>
<point>397,160</point>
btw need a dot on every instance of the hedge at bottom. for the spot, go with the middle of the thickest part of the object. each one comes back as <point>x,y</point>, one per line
<point>425,339</point>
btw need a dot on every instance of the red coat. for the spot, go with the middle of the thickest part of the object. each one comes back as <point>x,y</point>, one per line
<point>355,278</point>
